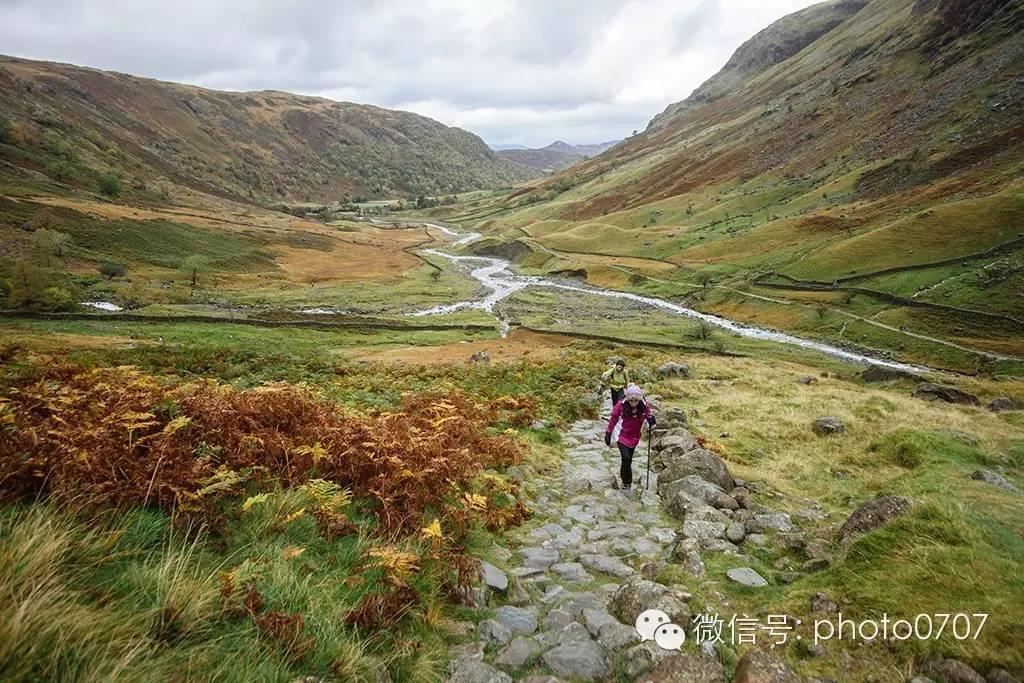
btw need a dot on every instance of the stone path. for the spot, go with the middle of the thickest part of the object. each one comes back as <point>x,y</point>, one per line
<point>576,584</point>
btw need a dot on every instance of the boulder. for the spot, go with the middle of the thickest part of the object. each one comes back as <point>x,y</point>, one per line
<point>685,668</point>
<point>873,514</point>
<point>807,379</point>
<point>480,357</point>
<point>880,373</point>
<point>758,666</point>
<point>518,652</point>
<point>700,462</point>
<point>735,532</point>
<point>949,671</point>
<point>517,619</point>
<point>464,670</point>
<point>701,530</point>
<point>998,675</point>
<point>938,392</point>
<point>1002,404</point>
<point>584,660</point>
<point>673,417</point>
<point>674,370</point>
<point>694,485</point>
<point>606,564</point>
<point>821,603</point>
<point>824,426</point>
<point>493,578</point>
<point>745,576</point>
<point>539,558</point>
<point>639,595</point>
<point>995,479</point>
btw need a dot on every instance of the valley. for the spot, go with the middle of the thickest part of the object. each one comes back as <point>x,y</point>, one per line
<point>294,389</point>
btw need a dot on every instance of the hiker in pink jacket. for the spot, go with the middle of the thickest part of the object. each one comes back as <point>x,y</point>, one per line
<point>633,411</point>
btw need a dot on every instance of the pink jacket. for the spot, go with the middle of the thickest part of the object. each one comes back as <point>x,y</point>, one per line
<point>629,435</point>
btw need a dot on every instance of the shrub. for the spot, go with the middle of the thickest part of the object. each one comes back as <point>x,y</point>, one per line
<point>117,437</point>
<point>60,170</point>
<point>58,299</point>
<point>28,284</point>
<point>111,270</point>
<point>110,184</point>
<point>6,130</point>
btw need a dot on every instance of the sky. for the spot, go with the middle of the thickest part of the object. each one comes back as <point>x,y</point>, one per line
<point>512,71</point>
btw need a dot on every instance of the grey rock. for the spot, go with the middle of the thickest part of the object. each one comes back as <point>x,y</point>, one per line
<point>556,619</point>
<point>990,477</point>
<point>735,532</point>
<point>759,540</point>
<point>674,370</point>
<point>938,392</point>
<point>699,530</point>
<point>693,484</point>
<point>746,577</point>
<point>638,595</point>
<point>539,558</point>
<point>475,671</point>
<point>723,501</point>
<point>828,425</point>
<point>686,668</point>
<point>493,631</point>
<point>594,619</point>
<point>998,675</point>
<point>572,572</point>
<point>741,494</point>
<point>950,671</point>
<point>521,620</point>
<point>670,418</point>
<point>493,577</point>
<point>1002,404</point>
<point>639,659</point>
<point>719,545</point>
<point>807,379</point>
<point>607,565</point>
<point>779,521</point>
<point>701,462</point>
<point>811,566</point>
<point>758,666</point>
<point>789,576</point>
<point>573,633</point>
<point>821,603</point>
<point>541,679</point>
<point>518,652</point>
<point>873,514</point>
<point>584,660</point>
<point>684,506</point>
<point>540,424</point>
<point>615,636</point>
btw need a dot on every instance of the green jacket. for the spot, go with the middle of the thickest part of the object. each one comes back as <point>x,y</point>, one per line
<point>615,379</point>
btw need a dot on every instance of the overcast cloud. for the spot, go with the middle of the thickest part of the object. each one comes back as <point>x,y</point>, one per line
<point>511,71</point>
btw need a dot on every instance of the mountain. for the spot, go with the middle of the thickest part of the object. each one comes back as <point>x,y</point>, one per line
<point>870,151</point>
<point>501,147</point>
<point>554,157</point>
<point>256,145</point>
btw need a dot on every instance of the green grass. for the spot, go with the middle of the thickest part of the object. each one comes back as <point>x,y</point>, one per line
<point>128,596</point>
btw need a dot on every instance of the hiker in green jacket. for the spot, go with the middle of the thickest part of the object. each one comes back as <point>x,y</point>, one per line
<point>617,379</point>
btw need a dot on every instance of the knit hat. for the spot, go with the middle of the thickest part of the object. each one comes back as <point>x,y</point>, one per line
<point>633,390</point>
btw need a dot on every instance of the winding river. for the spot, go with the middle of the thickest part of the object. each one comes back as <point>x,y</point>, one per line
<point>497,277</point>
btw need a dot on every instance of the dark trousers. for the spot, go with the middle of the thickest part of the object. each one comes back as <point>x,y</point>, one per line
<point>626,463</point>
<point>617,395</point>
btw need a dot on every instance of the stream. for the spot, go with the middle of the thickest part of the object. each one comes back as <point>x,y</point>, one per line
<point>496,276</point>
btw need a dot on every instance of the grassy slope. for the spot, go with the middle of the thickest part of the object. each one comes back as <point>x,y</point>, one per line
<point>265,146</point>
<point>857,154</point>
<point>956,552</point>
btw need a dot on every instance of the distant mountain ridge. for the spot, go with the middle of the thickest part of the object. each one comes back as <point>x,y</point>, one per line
<point>257,145</point>
<point>554,157</point>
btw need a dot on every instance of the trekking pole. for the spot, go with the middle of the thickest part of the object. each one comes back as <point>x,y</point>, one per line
<point>650,437</point>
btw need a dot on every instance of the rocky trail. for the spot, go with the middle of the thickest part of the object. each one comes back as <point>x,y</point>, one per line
<point>565,601</point>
